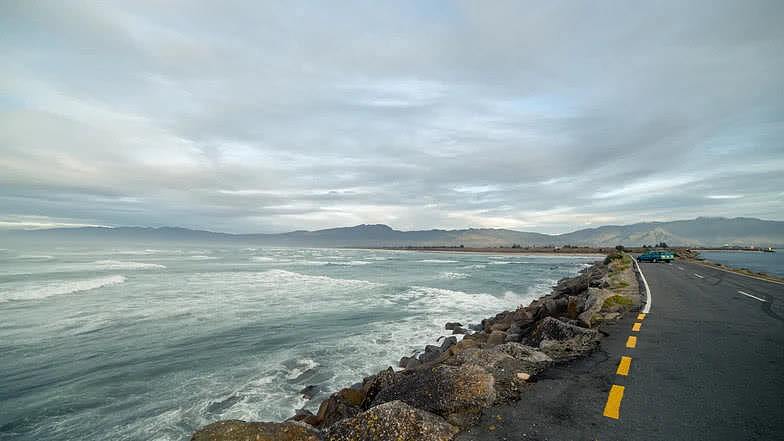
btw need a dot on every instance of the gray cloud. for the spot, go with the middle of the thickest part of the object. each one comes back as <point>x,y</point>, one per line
<point>252,117</point>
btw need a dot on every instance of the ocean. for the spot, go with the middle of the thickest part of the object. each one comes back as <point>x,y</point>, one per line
<point>147,341</point>
<point>769,263</point>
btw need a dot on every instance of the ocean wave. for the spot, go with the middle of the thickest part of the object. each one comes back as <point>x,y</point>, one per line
<point>42,291</point>
<point>436,261</point>
<point>35,257</point>
<point>124,265</point>
<point>477,266</point>
<point>263,259</point>
<point>303,366</point>
<point>200,257</point>
<point>453,276</point>
<point>500,263</point>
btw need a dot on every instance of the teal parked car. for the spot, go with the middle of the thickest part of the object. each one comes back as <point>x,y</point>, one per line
<point>656,256</point>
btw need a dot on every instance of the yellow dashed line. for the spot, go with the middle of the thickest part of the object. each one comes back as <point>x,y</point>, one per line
<point>636,327</point>
<point>624,365</point>
<point>631,342</point>
<point>641,316</point>
<point>613,407</point>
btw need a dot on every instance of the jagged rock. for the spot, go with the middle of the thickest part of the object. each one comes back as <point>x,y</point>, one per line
<point>392,421</point>
<point>512,338</point>
<point>459,331</point>
<point>500,326</point>
<point>372,385</point>
<point>522,376</point>
<point>534,360</point>
<point>502,362</point>
<point>236,430</point>
<point>301,415</point>
<point>496,338</point>
<point>593,304</point>
<point>340,405</point>
<point>431,353</point>
<point>457,393</point>
<point>571,308</point>
<point>451,326</point>
<point>563,340</point>
<point>448,343</point>
<point>405,360</point>
<point>309,392</point>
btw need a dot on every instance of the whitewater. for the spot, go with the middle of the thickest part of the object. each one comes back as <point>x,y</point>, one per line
<point>151,341</point>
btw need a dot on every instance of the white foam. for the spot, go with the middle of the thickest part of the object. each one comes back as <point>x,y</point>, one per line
<point>436,261</point>
<point>42,291</point>
<point>453,276</point>
<point>477,266</point>
<point>35,257</point>
<point>263,259</point>
<point>123,265</point>
<point>201,257</point>
<point>500,263</point>
<point>303,366</point>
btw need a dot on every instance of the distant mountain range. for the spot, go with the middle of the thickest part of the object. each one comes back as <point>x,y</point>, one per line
<point>703,231</point>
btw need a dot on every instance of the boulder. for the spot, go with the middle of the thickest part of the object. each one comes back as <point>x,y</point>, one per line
<point>236,430</point>
<point>496,338</point>
<point>457,393</point>
<point>301,415</point>
<point>392,421</point>
<point>431,353</point>
<point>404,361</point>
<point>459,331</point>
<point>513,337</point>
<point>561,340</point>
<point>448,343</point>
<point>534,360</point>
<point>374,384</point>
<point>340,405</point>
<point>451,326</point>
<point>593,304</point>
<point>502,362</point>
<point>309,392</point>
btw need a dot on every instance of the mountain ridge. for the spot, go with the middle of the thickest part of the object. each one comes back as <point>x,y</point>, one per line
<point>701,231</point>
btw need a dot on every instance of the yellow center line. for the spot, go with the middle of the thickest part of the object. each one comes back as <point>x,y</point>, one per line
<point>641,316</point>
<point>623,366</point>
<point>613,407</point>
<point>636,327</point>
<point>631,342</point>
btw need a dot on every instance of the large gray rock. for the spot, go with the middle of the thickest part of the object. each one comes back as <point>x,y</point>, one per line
<point>561,340</point>
<point>457,393</point>
<point>236,430</point>
<point>593,304</point>
<point>392,421</point>
<point>504,362</point>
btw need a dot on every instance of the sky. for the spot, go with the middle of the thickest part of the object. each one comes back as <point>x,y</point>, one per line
<point>275,116</point>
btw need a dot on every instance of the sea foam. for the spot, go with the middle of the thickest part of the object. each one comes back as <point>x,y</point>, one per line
<point>42,291</point>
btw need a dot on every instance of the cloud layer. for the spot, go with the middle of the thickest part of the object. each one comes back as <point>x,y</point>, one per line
<point>242,117</point>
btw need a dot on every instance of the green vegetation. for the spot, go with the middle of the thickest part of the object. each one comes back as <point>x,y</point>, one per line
<point>616,300</point>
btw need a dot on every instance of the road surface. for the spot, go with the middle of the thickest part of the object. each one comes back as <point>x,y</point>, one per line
<point>707,364</point>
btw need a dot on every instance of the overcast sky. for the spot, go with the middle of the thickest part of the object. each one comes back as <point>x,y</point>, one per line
<point>264,117</point>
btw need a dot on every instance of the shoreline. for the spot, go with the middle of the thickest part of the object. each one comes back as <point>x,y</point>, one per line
<point>443,390</point>
<point>693,256</point>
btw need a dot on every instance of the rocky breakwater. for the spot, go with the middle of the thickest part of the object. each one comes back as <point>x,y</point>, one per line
<point>447,386</point>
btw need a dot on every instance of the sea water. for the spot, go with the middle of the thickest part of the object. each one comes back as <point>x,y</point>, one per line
<point>150,342</point>
<point>770,263</point>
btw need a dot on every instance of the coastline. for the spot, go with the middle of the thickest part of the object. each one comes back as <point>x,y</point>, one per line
<point>445,388</point>
<point>576,251</point>
<point>693,256</point>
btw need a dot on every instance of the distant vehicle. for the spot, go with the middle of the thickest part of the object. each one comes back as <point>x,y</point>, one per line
<point>656,256</point>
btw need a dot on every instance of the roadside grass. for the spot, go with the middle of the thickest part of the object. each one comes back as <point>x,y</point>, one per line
<point>616,300</point>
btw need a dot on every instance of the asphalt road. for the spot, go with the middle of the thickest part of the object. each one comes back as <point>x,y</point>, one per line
<point>708,364</point>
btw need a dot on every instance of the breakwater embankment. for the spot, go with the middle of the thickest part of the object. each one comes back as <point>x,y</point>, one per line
<point>447,386</point>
